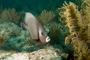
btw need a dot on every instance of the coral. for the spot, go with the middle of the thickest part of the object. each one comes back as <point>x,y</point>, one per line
<point>49,53</point>
<point>54,32</point>
<point>57,36</point>
<point>15,38</point>
<point>51,29</point>
<point>9,15</point>
<point>78,24</point>
<point>85,14</point>
<point>3,34</point>
<point>62,19</point>
<point>2,40</point>
<point>46,16</point>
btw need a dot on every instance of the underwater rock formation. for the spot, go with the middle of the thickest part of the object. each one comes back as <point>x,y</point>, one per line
<point>13,37</point>
<point>7,30</point>
<point>42,54</point>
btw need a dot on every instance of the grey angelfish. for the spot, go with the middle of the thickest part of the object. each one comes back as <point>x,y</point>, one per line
<point>35,28</point>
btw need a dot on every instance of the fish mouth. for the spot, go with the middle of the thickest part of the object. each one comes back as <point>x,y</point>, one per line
<point>47,39</point>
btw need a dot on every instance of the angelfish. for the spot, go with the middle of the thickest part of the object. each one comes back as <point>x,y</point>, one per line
<point>37,33</point>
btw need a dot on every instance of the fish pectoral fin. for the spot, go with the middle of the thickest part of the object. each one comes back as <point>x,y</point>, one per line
<point>24,26</point>
<point>36,40</point>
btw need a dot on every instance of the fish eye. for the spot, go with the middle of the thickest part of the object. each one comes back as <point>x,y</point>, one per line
<point>42,33</point>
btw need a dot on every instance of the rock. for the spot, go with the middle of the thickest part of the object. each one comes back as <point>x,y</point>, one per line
<point>42,54</point>
<point>13,37</point>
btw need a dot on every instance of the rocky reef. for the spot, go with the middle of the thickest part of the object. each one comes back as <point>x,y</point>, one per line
<point>15,43</point>
<point>68,28</point>
<point>42,54</point>
<point>13,37</point>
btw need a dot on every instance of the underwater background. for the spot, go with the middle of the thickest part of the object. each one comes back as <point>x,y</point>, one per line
<point>67,23</point>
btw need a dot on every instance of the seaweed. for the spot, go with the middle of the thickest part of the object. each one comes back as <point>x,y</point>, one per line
<point>54,33</point>
<point>9,15</point>
<point>46,16</point>
<point>78,29</point>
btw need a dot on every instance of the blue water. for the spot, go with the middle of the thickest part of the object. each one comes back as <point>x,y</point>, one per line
<point>34,6</point>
